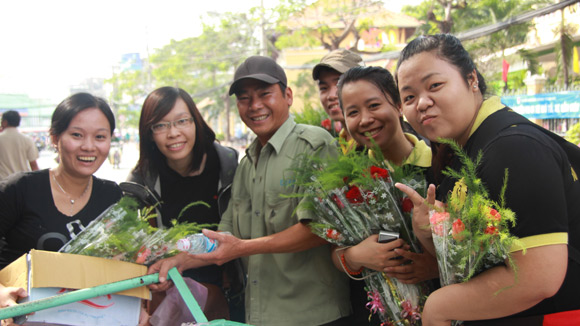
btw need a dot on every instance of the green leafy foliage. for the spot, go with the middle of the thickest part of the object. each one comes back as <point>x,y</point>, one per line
<point>472,234</point>
<point>310,116</point>
<point>123,232</point>
<point>573,134</point>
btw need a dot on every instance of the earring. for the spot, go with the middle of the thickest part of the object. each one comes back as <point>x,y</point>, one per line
<point>475,86</point>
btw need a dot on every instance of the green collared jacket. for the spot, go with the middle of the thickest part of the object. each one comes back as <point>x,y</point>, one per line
<point>303,288</point>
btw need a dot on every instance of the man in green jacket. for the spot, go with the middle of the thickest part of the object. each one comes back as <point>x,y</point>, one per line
<point>291,278</point>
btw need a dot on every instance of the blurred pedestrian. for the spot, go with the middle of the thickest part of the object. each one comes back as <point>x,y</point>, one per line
<point>17,151</point>
<point>116,159</point>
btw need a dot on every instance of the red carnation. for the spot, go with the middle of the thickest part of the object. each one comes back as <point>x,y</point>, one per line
<point>456,229</point>
<point>354,195</point>
<point>378,172</point>
<point>407,204</point>
<point>326,124</point>
<point>494,215</point>
<point>491,230</point>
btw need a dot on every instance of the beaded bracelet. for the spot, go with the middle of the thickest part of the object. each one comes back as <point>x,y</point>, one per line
<point>345,267</point>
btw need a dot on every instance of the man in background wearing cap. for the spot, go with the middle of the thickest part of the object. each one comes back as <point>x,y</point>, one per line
<point>326,74</point>
<point>291,277</point>
<point>17,152</point>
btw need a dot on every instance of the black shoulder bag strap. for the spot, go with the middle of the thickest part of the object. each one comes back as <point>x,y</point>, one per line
<point>506,118</point>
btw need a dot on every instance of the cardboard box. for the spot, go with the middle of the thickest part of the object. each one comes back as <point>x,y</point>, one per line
<point>45,273</point>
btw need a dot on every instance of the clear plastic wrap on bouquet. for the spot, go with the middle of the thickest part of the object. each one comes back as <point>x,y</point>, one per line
<point>463,251</point>
<point>349,214</point>
<point>122,232</point>
<point>116,234</point>
<point>472,234</point>
<point>397,303</point>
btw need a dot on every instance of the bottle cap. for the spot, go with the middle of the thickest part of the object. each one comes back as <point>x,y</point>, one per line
<point>183,245</point>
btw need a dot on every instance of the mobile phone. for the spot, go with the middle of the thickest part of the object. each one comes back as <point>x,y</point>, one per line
<point>387,236</point>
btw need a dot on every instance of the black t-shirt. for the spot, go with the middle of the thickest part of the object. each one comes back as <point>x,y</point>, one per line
<point>541,191</point>
<point>29,218</point>
<point>178,191</point>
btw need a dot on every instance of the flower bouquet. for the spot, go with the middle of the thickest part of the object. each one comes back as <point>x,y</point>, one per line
<point>472,234</point>
<point>122,232</point>
<point>353,197</point>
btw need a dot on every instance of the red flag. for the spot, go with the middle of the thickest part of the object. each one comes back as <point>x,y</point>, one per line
<point>506,67</point>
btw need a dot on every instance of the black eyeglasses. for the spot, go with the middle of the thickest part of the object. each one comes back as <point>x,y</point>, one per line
<point>162,127</point>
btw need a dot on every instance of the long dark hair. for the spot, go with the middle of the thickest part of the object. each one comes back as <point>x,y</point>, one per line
<point>156,106</point>
<point>72,105</point>
<point>448,48</point>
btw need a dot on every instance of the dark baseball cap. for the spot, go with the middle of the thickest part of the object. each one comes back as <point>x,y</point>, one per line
<point>260,68</point>
<point>340,60</point>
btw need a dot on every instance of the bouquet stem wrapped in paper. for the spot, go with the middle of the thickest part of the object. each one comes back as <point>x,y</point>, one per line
<point>353,197</point>
<point>472,234</point>
<point>122,232</point>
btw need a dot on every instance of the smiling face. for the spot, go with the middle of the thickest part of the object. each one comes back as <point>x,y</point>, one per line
<point>176,144</point>
<point>367,110</point>
<point>84,145</point>
<point>436,99</point>
<point>329,93</point>
<point>263,107</point>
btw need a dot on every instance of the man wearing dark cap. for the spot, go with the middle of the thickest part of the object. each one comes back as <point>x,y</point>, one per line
<point>17,152</point>
<point>291,279</point>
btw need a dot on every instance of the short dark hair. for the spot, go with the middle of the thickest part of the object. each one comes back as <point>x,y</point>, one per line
<point>448,48</point>
<point>72,105</point>
<point>156,106</point>
<point>380,77</point>
<point>12,118</point>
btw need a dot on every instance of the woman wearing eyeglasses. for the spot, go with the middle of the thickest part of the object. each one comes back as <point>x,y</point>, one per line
<point>180,162</point>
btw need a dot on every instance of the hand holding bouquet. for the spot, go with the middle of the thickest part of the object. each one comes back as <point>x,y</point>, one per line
<point>353,197</point>
<point>471,234</point>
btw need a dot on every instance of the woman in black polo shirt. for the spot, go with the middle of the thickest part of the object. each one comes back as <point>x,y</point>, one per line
<point>443,96</point>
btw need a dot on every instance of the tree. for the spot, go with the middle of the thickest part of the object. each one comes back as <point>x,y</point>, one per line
<point>202,65</point>
<point>129,87</point>
<point>325,22</point>
<point>445,21</point>
<point>440,15</point>
<point>573,134</point>
<point>564,49</point>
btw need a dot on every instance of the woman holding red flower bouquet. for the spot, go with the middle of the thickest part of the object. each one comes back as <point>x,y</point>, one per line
<point>371,106</point>
<point>372,109</point>
<point>443,96</point>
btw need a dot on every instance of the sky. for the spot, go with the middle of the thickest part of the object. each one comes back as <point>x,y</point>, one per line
<point>47,46</point>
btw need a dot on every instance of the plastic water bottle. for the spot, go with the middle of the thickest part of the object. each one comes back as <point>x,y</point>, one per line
<point>197,244</point>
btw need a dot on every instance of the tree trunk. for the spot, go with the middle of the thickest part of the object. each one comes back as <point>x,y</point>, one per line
<point>564,52</point>
<point>228,113</point>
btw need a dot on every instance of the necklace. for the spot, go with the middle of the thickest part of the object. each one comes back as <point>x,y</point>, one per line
<point>72,201</point>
